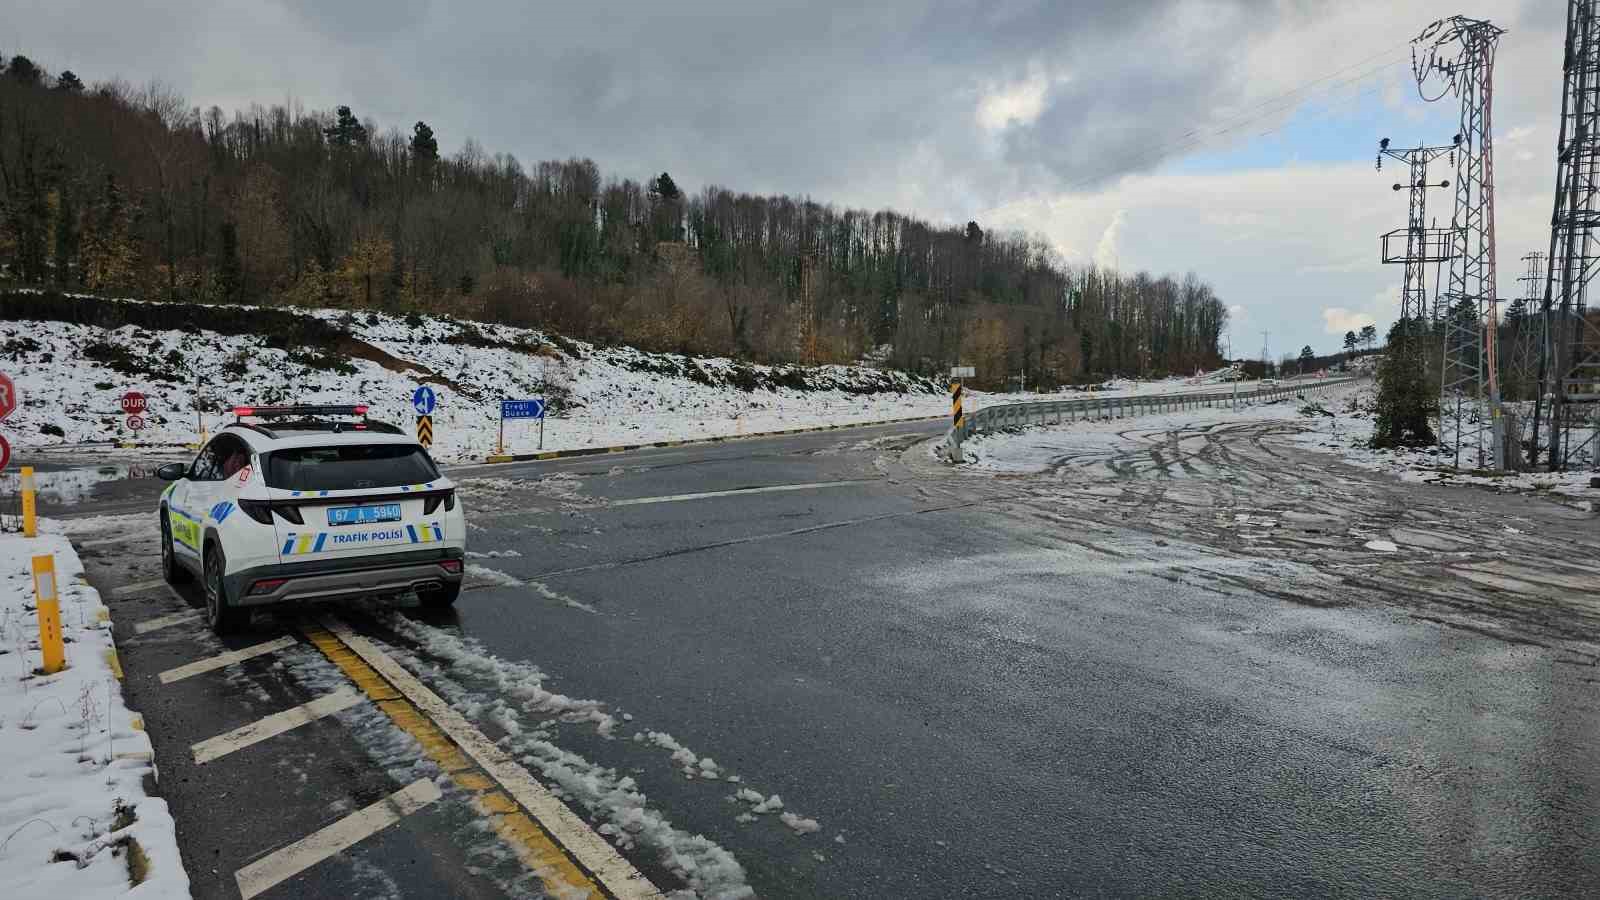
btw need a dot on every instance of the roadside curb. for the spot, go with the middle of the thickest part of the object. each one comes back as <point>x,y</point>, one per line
<point>623,448</point>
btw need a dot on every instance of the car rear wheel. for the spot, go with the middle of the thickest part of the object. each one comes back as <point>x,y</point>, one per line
<point>221,614</point>
<point>441,598</point>
<point>171,569</point>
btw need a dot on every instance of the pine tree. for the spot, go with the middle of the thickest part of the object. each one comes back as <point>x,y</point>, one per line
<point>23,69</point>
<point>1407,400</point>
<point>424,147</point>
<point>347,131</point>
<point>665,188</point>
<point>1369,335</point>
<point>1349,341</point>
<point>68,82</point>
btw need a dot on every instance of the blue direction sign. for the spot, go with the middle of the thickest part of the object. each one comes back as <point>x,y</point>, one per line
<point>521,409</point>
<point>422,400</point>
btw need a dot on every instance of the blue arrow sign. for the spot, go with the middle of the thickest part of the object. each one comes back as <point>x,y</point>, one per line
<point>422,400</point>
<point>521,409</point>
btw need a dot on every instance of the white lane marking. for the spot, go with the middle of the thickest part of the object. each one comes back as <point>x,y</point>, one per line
<point>772,489</point>
<point>287,862</point>
<point>225,659</point>
<point>150,625</point>
<point>138,587</point>
<point>274,725</point>
<point>602,861</point>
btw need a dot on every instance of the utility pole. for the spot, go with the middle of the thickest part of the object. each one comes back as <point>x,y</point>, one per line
<point>1266,354</point>
<point>1569,364</point>
<point>1421,244</point>
<point>1458,53</point>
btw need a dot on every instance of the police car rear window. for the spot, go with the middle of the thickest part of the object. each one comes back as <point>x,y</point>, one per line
<point>349,467</point>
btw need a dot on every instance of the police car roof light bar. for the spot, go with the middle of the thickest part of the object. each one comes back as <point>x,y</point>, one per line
<point>280,412</point>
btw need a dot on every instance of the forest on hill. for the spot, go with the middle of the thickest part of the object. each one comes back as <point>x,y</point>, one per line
<point>130,191</point>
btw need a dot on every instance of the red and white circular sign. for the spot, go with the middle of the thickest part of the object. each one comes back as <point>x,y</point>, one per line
<point>5,453</point>
<point>135,423</point>
<point>8,396</point>
<point>133,403</point>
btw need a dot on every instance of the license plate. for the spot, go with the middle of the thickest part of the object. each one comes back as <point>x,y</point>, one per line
<point>362,515</point>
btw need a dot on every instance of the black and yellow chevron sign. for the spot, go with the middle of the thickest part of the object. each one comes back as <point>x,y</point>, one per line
<point>955,404</point>
<point>425,430</point>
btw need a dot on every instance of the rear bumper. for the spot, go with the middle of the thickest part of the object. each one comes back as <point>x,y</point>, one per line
<point>323,580</point>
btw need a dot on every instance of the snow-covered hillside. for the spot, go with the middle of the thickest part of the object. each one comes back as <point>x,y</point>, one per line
<point>70,377</point>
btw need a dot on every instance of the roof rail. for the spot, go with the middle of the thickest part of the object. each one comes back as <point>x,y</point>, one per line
<point>300,409</point>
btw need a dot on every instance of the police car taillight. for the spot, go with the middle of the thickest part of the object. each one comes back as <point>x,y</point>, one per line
<point>256,509</point>
<point>432,503</point>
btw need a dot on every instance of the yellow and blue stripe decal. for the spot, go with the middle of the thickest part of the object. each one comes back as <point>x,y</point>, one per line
<point>300,544</point>
<point>319,541</point>
<point>185,528</point>
<point>427,534</point>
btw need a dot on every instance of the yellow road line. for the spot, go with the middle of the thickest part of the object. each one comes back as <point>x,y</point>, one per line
<point>546,858</point>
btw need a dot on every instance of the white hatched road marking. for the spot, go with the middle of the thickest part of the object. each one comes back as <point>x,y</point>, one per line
<point>225,659</point>
<point>275,724</point>
<point>287,862</point>
<point>675,498</point>
<point>138,587</point>
<point>602,861</point>
<point>150,625</point>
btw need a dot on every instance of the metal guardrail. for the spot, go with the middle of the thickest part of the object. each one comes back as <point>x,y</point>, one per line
<point>1059,412</point>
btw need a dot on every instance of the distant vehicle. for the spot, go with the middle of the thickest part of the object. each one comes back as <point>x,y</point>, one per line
<point>1269,382</point>
<point>319,504</point>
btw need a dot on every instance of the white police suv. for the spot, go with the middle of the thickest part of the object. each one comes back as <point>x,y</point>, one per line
<point>307,504</point>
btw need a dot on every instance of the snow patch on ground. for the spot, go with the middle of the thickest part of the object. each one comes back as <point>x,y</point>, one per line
<point>1383,546</point>
<point>612,395</point>
<point>73,756</point>
<point>613,799</point>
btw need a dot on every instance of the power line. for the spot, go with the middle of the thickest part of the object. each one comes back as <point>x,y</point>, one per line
<point>1195,136</point>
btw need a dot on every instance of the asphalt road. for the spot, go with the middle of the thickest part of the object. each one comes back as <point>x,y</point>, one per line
<point>1172,668</point>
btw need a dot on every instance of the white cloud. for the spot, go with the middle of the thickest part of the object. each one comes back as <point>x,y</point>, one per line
<point>1019,103</point>
<point>1106,253</point>
<point>1336,320</point>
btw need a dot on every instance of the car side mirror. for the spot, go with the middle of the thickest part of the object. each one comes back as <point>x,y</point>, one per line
<point>173,472</point>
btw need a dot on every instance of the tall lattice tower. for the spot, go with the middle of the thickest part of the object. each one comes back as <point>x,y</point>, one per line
<point>1526,331</point>
<point>1570,377</point>
<point>1458,53</point>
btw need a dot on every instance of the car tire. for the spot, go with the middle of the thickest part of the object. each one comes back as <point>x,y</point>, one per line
<point>171,570</point>
<point>442,598</point>
<point>221,614</point>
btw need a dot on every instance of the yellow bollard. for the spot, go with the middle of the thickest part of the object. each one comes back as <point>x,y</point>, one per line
<point>30,523</point>
<point>44,588</point>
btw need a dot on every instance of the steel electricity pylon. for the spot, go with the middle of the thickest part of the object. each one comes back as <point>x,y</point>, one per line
<point>1527,333</point>
<point>1458,54</point>
<point>1416,245</point>
<point>1570,367</point>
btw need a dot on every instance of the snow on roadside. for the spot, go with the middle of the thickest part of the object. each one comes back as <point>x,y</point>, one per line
<point>1339,422</point>
<point>614,395</point>
<point>70,377</point>
<point>75,816</point>
<point>1038,448</point>
<point>612,799</point>
<point>1352,435</point>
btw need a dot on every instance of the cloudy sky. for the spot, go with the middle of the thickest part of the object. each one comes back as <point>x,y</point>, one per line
<point>1234,139</point>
